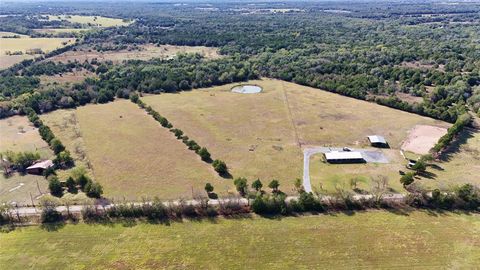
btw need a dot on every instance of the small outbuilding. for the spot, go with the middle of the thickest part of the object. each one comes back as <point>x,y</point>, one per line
<point>378,141</point>
<point>40,167</point>
<point>344,157</point>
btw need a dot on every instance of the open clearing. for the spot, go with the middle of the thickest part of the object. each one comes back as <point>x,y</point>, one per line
<point>145,52</point>
<point>27,43</point>
<point>18,134</point>
<point>367,240</point>
<point>259,135</point>
<point>60,30</point>
<point>18,188</point>
<point>422,138</point>
<point>96,21</point>
<point>133,156</point>
<point>461,163</point>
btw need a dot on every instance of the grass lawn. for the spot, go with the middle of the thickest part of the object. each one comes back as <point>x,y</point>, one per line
<point>18,188</point>
<point>98,21</point>
<point>327,177</point>
<point>133,156</point>
<point>258,135</point>
<point>365,240</point>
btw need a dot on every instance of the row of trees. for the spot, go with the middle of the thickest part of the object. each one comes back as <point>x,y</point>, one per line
<point>219,166</point>
<point>452,132</point>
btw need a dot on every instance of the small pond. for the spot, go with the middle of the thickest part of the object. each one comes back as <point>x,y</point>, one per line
<point>247,89</point>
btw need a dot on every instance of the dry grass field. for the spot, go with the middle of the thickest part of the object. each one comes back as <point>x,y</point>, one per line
<point>65,126</point>
<point>252,133</point>
<point>18,134</point>
<point>258,135</point>
<point>66,78</point>
<point>60,30</point>
<point>95,21</point>
<point>364,240</point>
<point>4,34</point>
<point>26,43</point>
<point>461,164</point>
<point>18,188</point>
<point>146,52</point>
<point>133,156</point>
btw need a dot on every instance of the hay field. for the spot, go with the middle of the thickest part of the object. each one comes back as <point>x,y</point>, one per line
<point>252,133</point>
<point>256,134</point>
<point>4,34</point>
<point>133,156</point>
<point>146,52</point>
<point>26,43</point>
<point>97,21</point>
<point>368,240</point>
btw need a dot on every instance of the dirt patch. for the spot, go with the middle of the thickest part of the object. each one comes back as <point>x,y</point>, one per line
<point>422,138</point>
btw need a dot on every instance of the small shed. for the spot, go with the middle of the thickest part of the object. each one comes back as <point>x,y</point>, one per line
<point>40,167</point>
<point>378,141</point>
<point>344,157</point>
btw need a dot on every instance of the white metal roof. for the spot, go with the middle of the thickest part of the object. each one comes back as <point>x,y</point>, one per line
<point>42,164</point>
<point>343,155</point>
<point>377,139</point>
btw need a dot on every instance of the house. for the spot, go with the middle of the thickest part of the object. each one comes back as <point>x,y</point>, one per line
<point>40,167</point>
<point>344,157</point>
<point>378,141</point>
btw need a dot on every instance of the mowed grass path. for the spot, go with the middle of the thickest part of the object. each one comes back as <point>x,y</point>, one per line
<point>364,240</point>
<point>258,135</point>
<point>133,156</point>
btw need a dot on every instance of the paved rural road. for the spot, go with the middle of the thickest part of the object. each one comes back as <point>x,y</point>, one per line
<point>369,155</point>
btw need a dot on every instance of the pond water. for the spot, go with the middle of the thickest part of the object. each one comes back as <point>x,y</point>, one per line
<point>247,89</point>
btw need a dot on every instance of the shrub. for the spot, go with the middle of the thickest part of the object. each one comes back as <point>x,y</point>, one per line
<point>71,185</point>
<point>63,160</point>
<point>56,145</point>
<point>55,187</point>
<point>241,185</point>
<point>94,190</point>
<point>407,179</point>
<point>208,188</point>
<point>177,132</point>
<point>204,154</point>
<point>50,215</point>
<point>274,185</point>
<point>220,167</point>
<point>257,185</point>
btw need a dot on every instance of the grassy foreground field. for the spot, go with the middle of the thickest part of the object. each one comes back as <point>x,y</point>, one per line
<point>364,240</point>
<point>263,135</point>
<point>133,156</point>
